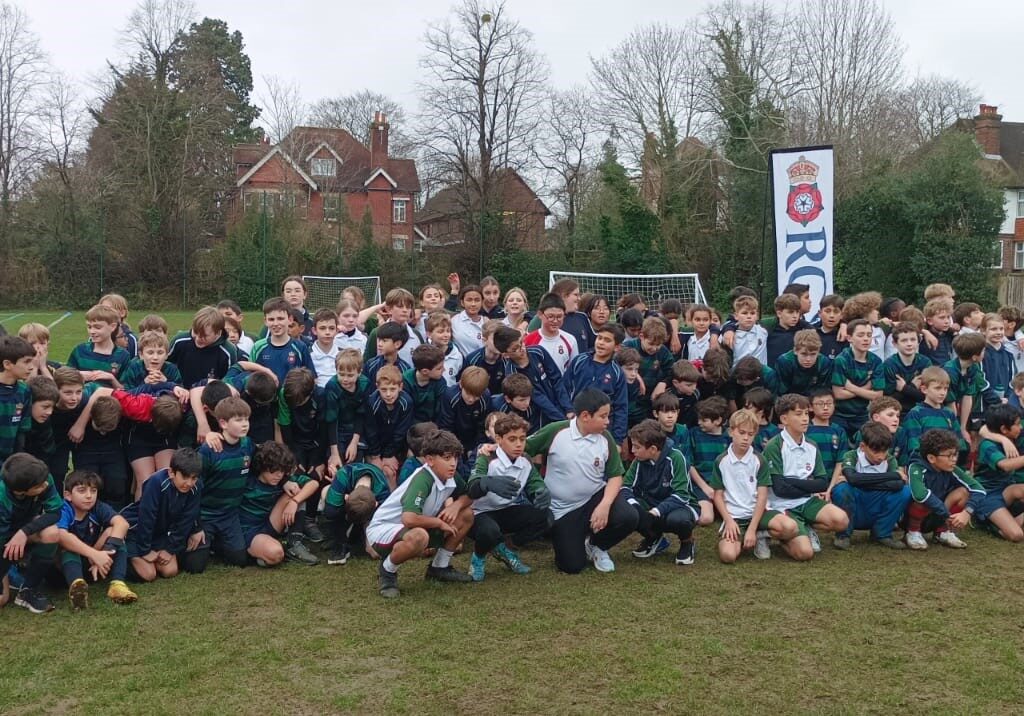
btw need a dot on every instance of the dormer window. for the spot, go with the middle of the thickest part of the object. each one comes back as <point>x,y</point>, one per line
<point>322,167</point>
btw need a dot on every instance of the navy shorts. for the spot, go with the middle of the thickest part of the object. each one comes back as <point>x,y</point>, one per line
<point>990,503</point>
<point>251,530</point>
<point>698,494</point>
<point>223,531</point>
<point>144,441</point>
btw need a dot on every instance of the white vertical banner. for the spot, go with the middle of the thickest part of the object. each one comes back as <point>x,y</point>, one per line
<point>803,206</point>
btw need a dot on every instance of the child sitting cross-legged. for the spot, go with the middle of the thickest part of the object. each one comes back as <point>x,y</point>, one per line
<point>91,535</point>
<point>1002,510</point>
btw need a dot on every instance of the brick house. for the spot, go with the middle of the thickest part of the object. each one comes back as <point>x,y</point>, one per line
<point>441,220</point>
<point>320,173</point>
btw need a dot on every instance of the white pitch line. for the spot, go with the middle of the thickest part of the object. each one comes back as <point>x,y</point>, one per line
<point>11,317</point>
<point>59,320</point>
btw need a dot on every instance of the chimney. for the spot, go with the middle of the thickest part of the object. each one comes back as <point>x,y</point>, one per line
<point>378,140</point>
<point>987,126</point>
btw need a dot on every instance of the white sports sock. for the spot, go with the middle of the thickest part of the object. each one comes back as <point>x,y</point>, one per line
<point>442,559</point>
<point>390,566</point>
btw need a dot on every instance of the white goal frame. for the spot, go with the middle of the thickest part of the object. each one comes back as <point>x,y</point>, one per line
<point>664,285</point>
<point>363,282</point>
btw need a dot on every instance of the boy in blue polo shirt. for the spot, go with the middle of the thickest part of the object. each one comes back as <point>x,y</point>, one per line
<point>598,369</point>
<point>279,351</point>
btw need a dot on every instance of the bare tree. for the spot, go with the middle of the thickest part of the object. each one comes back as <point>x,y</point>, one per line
<point>934,103</point>
<point>653,76</point>
<point>152,29</point>
<point>283,107</point>
<point>566,147</point>
<point>353,112</point>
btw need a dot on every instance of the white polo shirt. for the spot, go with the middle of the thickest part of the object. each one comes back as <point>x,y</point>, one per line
<point>500,464</point>
<point>356,341</point>
<point>467,335</point>
<point>798,460</point>
<point>324,363</point>
<point>577,465</point>
<point>562,348</point>
<point>423,493</point>
<point>739,478</point>
<point>750,343</point>
<point>452,365</point>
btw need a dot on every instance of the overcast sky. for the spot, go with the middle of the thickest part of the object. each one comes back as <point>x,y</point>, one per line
<point>333,48</point>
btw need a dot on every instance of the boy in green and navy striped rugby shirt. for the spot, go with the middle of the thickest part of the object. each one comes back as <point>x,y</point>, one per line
<point>655,359</point>
<point>1000,475</point>
<point>99,359</point>
<point>932,413</point>
<point>857,377</point>
<point>967,378</point>
<point>707,442</point>
<point>830,438</point>
<point>16,357</point>
<point>425,383</point>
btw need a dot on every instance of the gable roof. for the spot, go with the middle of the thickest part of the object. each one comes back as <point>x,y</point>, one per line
<point>452,200</point>
<point>1008,166</point>
<point>275,151</point>
<point>325,145</point>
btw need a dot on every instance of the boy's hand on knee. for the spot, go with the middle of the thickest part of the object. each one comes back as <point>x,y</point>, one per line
<point>959,520</point>
<point>163,557</point>
<point>15,548</point>
<point>195,541</point>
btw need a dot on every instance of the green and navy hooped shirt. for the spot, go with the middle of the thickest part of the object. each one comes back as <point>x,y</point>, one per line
<point>225,475</point>
<point>865,374</point>
<point>83,357</point>
<point>348,476</point>
<point>259,498</point>
<point>15,417</point>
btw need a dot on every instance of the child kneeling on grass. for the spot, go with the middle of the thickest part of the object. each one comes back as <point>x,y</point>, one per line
<point>419,515</point>
<point>349,502</point>
<point>740,479</point>
<point>91,535</point>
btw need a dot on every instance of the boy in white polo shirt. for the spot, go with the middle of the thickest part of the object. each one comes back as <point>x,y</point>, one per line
<point>741,480</point>
<point>509,498</point>
<point>799,480</point>
<point>584,475</point>
<point>415,517</point>
<point>323,351</point>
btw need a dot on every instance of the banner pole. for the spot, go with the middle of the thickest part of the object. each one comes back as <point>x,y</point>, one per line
<point>767,204</point>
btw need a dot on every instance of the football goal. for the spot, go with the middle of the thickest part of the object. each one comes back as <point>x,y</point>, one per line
<point>655,288</point>
<point>324,291</point>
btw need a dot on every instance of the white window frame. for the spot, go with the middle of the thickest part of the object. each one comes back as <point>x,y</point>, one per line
<point>998,262</point>
<point>1018,255</point>
<point>332,213</point>
<point>399,211</point>
<point>323,167</point>
<point>399,242</point>
<point>1020,203</point>
<point>417,245</point>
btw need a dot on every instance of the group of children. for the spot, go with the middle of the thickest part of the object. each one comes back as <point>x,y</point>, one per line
<point>404,428</point>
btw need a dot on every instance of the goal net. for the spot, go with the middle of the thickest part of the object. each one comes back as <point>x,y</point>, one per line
<point>325,291</point>
<point>654,288</point>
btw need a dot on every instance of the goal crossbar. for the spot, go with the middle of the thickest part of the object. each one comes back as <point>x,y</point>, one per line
<point>653,287</point>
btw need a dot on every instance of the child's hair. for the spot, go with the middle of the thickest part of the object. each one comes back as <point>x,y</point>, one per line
<point>82,478</point>
<point>417,434</point>
<point>208,318</point>
<point>490,326</point>
<point>106,413</point>
<point>436,320</point>
<point>671,307</point>
<point>564,286</point>
<point>22,472</point>
<point>759,399</point>
<point>153,338</point>
<point>273,456</point>
<point>399,297</point>
<point>631,318</point>
<point>103,314</point>
<point>506,423</point>
<point>230,305</point>
<point>356,296</point>
<point>63,375</point>
<point>427,287</point>
<point>797,289</point>
<point>627,356</point>
<point>521,292</point>
<point>857,323</point>
<point>683,371</point>
<point>747,370</point>
<point>345,304</point>
<point>890,306</point>
<point>936,440</point>
<point>1017,381</point>
<point>787,302</point>
<point>938,290</point>
<point>360,505</point>
<point>299,384</point>
<point>628,301</point>
<point>665,403</point>
<point>393,332</point>
<point>275,304</point>
<point>427,357</point>
<point>714,408</point>
<point>325,315</point>
<point>822,392</point>
<point>807,340</point>
<point>504,336</point>
<point>618,334</point>
<point>914,316</point>
<point>14,349</point>
<point>153,322</point>
<point>294,314</point>
<point>744,418</point>
<point>390,375</point>
<point>881,404</point>
<point>471,288</point>
<point>34,333</point>
<point>186,461</point>
<point>790,402</point>
<point>490,419</point>
<point>745,303</point>
<point>489,281</point>
<point>590,400</point>
<point>296,279</point>
<point>938,305</point>
<point>963,311</point>
<point>716,365</point>
<point>968,345</point>
<point>905,327</point>
<point>232,407</point>
<point>739,291</point>
<point>261,387</point>
<point>832,300</point>
<point>653,329</point>
<point>591,301</point>
<point>1010,314</point>
<point>516,385</point>
<point>875,436</point>
<point>934,374</point>
<point>474,380</point>
<point>442,443</point>
<point>43,389</point>
<point>861,305</point>
<point>989,319</point>
<point>1001,415</point>
<point>349,360</point>
<point>231,323</point>
<point>647,433</point>
<point>698,308</point>
<point>550,300</point>
<point>214,392</point>
<point>166,414</point>
<point>117,302</point>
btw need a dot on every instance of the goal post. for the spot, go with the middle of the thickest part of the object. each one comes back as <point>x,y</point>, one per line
<point>654,288</point>
<point>325,291</point>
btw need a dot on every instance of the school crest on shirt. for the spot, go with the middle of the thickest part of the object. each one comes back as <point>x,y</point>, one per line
<point>607,378</point>
<point>246,461</point>
<point>597,462</point>
<point>114,367</point>
<point>804,203</point>
<point>18,408</point>
<point>292,360</point>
